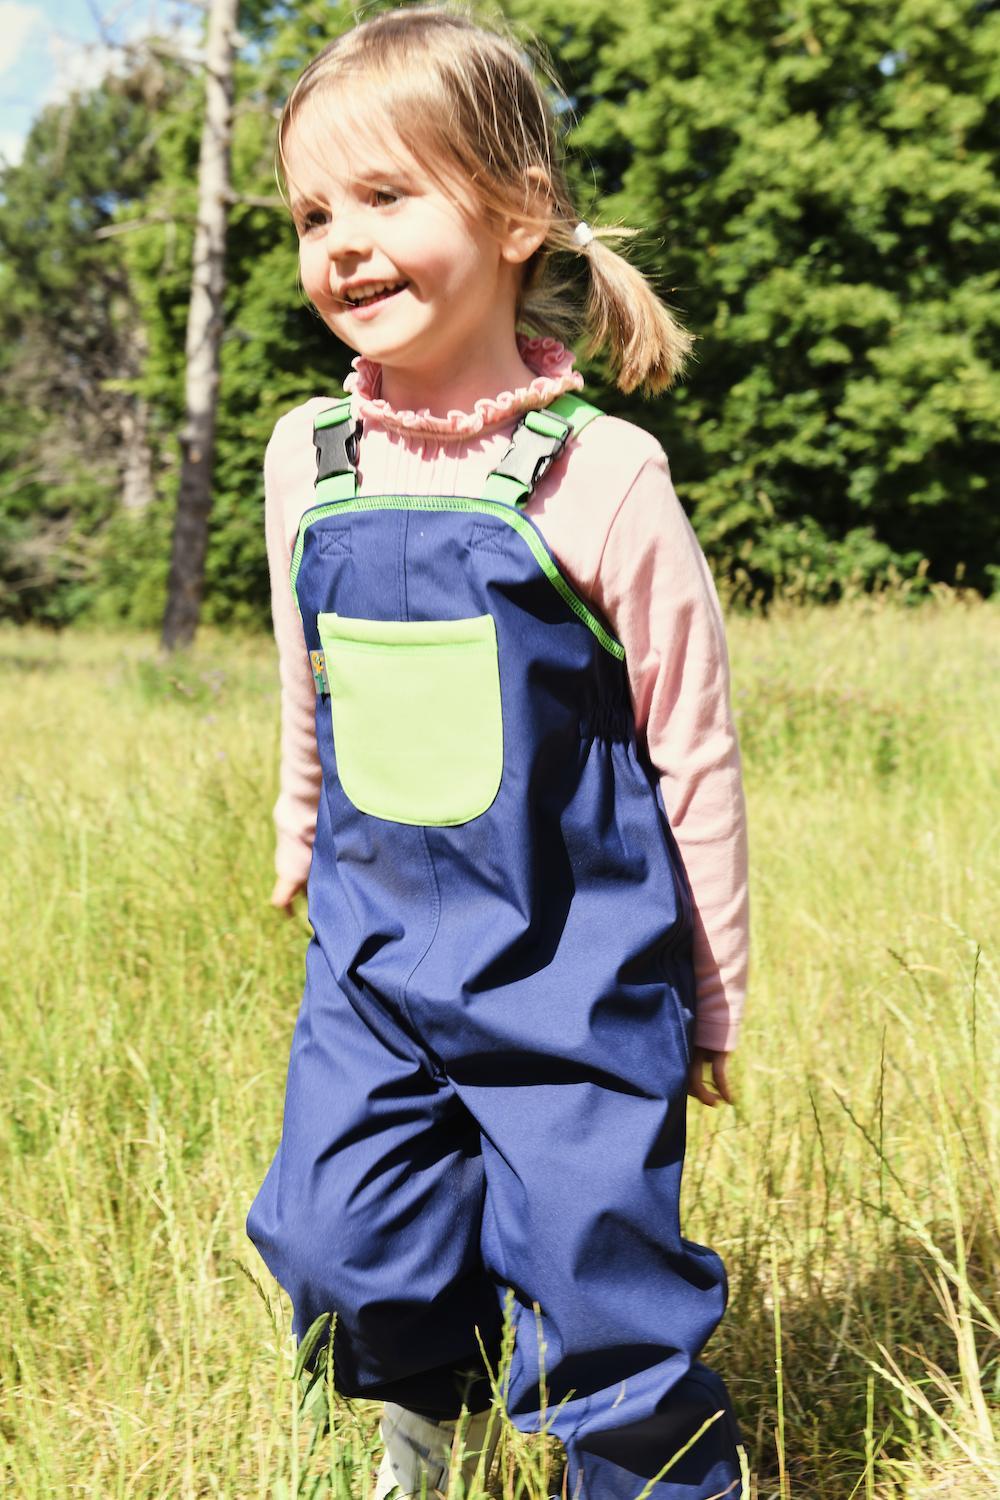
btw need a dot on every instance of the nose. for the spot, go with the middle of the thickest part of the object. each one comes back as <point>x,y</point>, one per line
<point>347,235</point>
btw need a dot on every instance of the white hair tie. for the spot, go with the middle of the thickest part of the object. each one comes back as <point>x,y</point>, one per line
<point>582,234</point>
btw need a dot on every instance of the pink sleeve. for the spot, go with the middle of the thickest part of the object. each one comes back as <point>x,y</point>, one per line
<point>655,589</point>
<point>300,773</point>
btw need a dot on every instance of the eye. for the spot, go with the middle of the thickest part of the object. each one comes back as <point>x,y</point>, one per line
<point>307,220</point>
<point>312,219</point>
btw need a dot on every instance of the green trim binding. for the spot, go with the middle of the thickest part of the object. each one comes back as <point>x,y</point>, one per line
<point>339,493</point>
<point>499,508</point>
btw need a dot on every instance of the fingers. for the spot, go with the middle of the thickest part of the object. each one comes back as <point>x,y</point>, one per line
<point>698,1086</point>
<point>720,1075</point>
<point>698,1089</point>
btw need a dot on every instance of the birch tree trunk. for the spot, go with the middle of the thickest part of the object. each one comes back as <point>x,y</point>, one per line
<point>204,335</point>
<point>138,486</point>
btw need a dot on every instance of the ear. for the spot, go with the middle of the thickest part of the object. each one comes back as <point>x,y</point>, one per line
<point>520,237</point>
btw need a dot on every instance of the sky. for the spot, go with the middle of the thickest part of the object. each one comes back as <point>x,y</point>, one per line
<point>50,47</point>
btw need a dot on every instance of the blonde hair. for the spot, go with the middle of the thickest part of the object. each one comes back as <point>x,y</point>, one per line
<point>465,99</point>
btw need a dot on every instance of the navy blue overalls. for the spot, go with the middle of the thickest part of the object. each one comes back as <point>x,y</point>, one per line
<point>487,1079</point>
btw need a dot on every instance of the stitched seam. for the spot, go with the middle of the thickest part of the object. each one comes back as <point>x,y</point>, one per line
<point>486,538</point>
<point>435,892</point>
<point>404,609</point>
<point>331,542</point>
<point>512,517</point>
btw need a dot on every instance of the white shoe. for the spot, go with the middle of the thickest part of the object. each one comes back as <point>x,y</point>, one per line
<point>415,1446</point>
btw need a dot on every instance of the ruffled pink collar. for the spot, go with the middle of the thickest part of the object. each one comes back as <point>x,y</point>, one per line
<point>555,377</point>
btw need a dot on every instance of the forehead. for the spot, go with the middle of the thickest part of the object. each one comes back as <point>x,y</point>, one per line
<point>328,146</point>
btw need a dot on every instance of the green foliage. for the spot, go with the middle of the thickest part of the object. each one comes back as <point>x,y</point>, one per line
<point>819,185</point>
<point>819,193</point>
<point>68,341</point>
<point>134,556</point>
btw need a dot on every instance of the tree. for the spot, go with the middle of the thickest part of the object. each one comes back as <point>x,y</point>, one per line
<point>820,188</point>
<point>75,428</point>
<point>204,334</point>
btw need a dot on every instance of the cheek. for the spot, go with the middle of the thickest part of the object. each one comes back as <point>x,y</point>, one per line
<point>447,268</point>
<point>430,246</point>
<point>314,272</point>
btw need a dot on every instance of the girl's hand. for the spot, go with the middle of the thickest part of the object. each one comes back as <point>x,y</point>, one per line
<point>285,891</point>
<point>698,1087</point>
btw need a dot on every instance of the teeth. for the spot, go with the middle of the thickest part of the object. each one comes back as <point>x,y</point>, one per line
<point>364,293</point>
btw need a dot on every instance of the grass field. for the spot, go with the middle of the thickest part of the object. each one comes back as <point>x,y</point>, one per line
<point>149,995</point>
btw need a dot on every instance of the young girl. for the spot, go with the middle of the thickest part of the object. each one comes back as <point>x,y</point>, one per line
<point>510,773</point>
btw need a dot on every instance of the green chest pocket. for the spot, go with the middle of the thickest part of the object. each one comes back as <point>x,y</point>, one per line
<point>417,721</point>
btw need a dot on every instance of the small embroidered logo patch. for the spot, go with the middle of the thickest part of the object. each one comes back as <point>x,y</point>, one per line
<point>318,662</point>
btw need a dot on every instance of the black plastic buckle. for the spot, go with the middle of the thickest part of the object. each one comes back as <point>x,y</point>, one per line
<point>336,449</point>
<point>532,452</point>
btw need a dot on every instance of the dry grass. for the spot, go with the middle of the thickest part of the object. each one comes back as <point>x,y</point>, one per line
<point>150,992</point>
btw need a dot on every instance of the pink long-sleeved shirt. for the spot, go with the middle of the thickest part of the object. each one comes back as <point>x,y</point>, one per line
<point>611,519</point>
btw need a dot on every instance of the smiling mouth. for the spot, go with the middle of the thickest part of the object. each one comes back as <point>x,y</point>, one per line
<point>382,295</point>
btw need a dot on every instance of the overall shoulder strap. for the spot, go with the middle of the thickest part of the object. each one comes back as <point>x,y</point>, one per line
<point>335,438</point>
<point>535,444</point>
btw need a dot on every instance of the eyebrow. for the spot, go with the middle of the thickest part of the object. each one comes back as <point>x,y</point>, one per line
<point>366,177</point>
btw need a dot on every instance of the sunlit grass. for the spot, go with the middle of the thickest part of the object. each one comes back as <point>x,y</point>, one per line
<point>149,995</point>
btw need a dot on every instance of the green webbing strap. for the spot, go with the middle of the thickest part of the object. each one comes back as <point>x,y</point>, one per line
<point>331,415</point>
<point>535,444</point>
<point>336,441</point>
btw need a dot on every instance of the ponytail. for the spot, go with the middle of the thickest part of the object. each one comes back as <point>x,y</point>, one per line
<point>647,346</point>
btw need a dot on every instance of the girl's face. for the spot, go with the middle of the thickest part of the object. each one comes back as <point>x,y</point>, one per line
<point>367,213</point>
